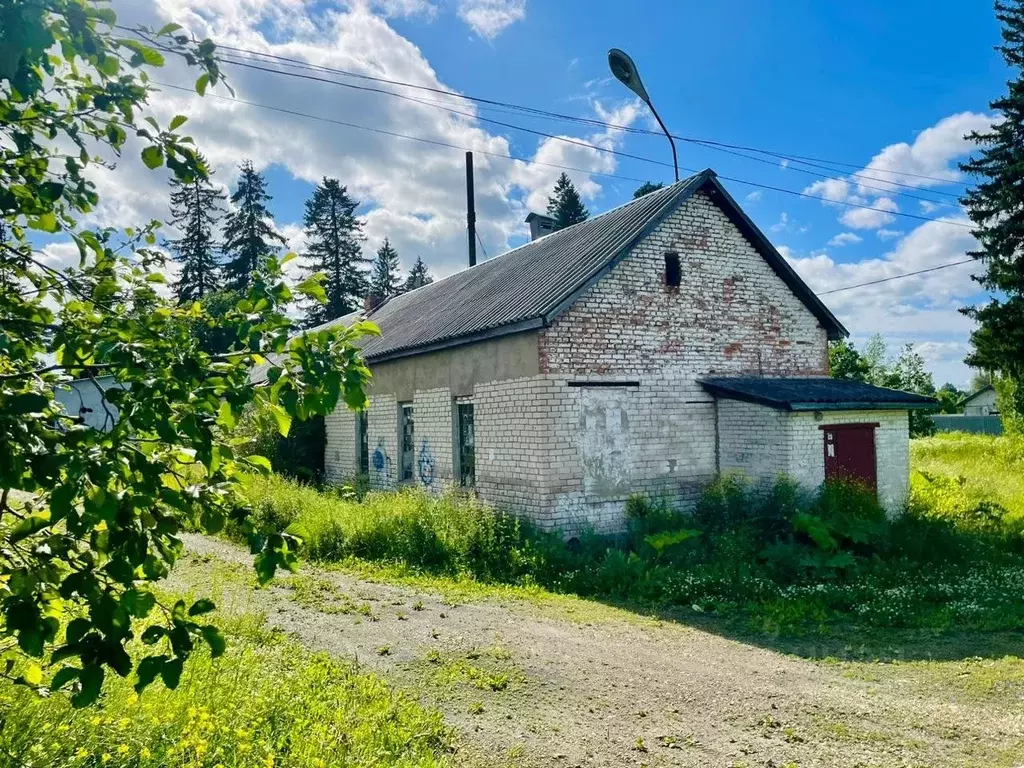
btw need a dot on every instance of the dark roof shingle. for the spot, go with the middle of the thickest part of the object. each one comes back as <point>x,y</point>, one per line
<point>813,394</point>
<point>528,286</point>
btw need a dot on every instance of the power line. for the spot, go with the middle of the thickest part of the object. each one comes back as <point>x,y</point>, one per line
<point>394,134</point>
<point>551,136</point>
<point>592,147</point>
<point>816,162</point>
<point>896,277</point>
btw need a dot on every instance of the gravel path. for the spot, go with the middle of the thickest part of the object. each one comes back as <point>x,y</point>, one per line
<point>524,687</point>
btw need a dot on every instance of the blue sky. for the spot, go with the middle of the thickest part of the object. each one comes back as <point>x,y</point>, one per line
<point>887,88</point>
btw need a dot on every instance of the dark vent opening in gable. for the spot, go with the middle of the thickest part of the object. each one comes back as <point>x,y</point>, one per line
<point>673,270</point>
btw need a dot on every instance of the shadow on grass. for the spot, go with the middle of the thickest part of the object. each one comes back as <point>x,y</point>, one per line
<point>845,642</point>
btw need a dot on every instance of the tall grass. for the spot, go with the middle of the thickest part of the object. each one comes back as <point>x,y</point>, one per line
<point>266,702</point>
<point>775,554</point>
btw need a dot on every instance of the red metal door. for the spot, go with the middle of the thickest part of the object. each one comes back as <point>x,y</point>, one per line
<point>850,453</point>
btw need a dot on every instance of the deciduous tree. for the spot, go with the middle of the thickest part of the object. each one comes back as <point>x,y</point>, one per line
<point>90,519</point>
<point>646,188</point>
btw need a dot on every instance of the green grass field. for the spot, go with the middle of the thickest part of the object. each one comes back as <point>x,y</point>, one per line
<point>267,702</point>
<point>774,557</point>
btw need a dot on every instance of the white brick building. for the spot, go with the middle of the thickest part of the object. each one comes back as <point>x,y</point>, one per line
<point>566,374</point>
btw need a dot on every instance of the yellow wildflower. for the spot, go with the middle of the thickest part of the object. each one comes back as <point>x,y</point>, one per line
<point>105,758</point>
<point>82,752</point>
<point>123,749</point>
<point>96,721</point>
<point>145,754</point>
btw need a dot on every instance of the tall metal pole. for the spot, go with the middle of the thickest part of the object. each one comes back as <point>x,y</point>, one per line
<point>470,209</point>
<point>675,161</point>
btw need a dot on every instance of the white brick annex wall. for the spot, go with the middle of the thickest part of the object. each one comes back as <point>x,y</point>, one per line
<point>762,443</point>
<point>433,428</point>
<point>340,461</point>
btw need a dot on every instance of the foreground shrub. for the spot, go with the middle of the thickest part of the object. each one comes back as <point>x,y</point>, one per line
<point>265,702</point>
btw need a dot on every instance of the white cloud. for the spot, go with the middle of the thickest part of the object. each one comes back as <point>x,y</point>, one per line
<point>412,192</point>
<point>888,234</point>
<point>929,155</point>
<point>830,190</point>
<point>755,196</point>
<point>489,17</point>
<point>920,309</point>
<point>782,224</point>
<point>845,238</point>
<point>870,218</point>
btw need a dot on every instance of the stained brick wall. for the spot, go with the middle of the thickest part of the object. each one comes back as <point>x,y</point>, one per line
<point>731,314</point>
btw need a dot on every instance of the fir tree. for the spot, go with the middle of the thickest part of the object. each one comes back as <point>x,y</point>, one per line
<point>418,276</point>
<point>996,206</point>
<point>384,280</point>
<point>646,188</point>
<point>333,234</point>
<point>565,206</point>
<point>196,207</point>
<point>249,237</point>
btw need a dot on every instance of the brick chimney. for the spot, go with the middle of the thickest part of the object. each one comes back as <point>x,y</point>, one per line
<point>372,302</point>
<point>540,225</point>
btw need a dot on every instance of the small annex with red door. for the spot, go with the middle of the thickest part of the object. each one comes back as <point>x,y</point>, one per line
<point>816,429</point>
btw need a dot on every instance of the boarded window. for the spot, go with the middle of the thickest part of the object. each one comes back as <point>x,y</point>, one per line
<point>406,441</point>
<point>363,442</point>
<point>606,445</point>
<point>467,444</point>
<point>673,270</point>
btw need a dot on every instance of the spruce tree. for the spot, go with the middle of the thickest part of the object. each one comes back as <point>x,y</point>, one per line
<point>565,206</point>
<point>333,234</point>
<point>384,280</point>
<point>196,206</point>
<point>646,188</point>
<point>418,276</point>
<point>996,206</point>
<point>249,237</point>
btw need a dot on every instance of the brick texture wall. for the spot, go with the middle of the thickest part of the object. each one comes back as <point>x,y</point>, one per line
<point>565,450</point>
<point>762,443</point>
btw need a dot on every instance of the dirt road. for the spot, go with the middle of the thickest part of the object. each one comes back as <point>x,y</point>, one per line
<point>530,687</point>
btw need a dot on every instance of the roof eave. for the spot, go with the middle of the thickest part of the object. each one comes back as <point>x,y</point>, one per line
<point>528,324</point>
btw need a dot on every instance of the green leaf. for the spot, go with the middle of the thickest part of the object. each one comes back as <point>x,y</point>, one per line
<point>148,669</point>
<point>33,674</point>
<point>201,606</point>
<point>170,673</point>
<point>312,288</point>
<point>227,418</point>
<point>215,640</point>
<point>46,222</point>
<point>153,634</point>
<point>29,526</point>
<point>91,678</point>
<point>64,676</point>
<point>201,83</point>
<point>167,29</point>
<point>153,156</point>
<point>176,122</point>
<point>26,402</point>
<point>261,462</point>
<point>283,419</point>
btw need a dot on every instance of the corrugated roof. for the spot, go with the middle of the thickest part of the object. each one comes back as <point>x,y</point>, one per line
<point>813,394</point>
<point>527,287</point>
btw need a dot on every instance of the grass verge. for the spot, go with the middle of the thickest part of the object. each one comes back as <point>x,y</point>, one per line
<point>775,556</point>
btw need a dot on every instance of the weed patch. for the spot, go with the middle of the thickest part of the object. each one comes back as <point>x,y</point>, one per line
<point>265,702</point>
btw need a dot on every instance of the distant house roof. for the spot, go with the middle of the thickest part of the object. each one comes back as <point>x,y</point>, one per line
<point>982,391</point>
<point>813,394</point>
<point>529,286</point>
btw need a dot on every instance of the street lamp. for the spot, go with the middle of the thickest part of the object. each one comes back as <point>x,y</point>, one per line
<point>626,73</point>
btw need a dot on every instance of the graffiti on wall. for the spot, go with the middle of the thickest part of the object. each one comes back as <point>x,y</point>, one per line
<point>426,464</point>
<point>381,462</point>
